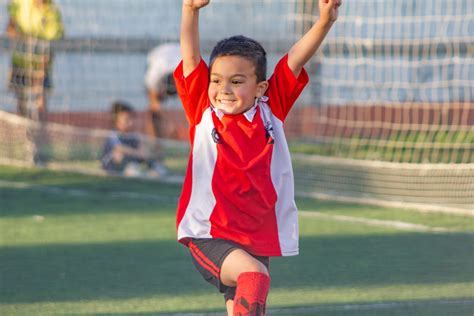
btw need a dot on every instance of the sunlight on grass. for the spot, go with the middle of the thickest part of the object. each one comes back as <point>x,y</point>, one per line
<point>208,301</point>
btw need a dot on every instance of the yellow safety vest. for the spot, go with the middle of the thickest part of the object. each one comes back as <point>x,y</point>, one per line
<point>39,21</point>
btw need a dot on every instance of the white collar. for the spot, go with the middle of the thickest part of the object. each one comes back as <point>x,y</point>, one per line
<point>249,114</point>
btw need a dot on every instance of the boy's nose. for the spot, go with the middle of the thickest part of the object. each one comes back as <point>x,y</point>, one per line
<point>225,89</point>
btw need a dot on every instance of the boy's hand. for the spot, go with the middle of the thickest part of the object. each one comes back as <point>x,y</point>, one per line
<point>328,10</point>
<point>195,4</point>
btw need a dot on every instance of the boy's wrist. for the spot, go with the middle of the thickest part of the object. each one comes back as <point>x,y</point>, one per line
<point>190,8</point>
<point>325,24</point>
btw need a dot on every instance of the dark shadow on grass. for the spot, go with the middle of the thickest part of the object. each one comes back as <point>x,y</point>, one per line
<point>378,260</point>
<point>138,269</point>
<point>95,271</point>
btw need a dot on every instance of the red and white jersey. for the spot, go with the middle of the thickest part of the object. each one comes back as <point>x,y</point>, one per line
<point>239,183</point>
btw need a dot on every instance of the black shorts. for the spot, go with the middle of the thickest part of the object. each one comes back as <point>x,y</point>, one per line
<point>208,255</point>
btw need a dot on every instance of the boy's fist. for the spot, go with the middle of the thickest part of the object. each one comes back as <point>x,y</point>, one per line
<point>328,10</point>
<point>195,4</point>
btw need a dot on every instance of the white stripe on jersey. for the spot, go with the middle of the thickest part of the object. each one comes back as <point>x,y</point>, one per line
<point>283,182</point>
<point>196,223</point>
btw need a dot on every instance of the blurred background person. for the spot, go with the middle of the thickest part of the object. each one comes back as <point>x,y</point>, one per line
<point>159,83</point>
<point>123,151</point>
<point>32,25</point>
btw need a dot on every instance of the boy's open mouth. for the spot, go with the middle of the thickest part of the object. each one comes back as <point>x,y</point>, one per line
<point>223,101</point>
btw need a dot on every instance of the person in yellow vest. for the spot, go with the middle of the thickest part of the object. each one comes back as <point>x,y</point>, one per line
<point>32,25</point>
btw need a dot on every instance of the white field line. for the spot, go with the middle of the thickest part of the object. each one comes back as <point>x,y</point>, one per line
<point>374,222</point>
<point>418,207</point>
<point>159,198</point>
<point>346,308</point>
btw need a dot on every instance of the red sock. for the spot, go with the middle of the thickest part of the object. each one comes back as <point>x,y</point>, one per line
<point>251,294</point>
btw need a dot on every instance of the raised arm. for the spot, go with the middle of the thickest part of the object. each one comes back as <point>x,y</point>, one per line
<point>190,48</point>
<point>306,47</point>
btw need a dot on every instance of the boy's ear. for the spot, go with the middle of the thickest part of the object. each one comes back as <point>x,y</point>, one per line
<point>262,86</point>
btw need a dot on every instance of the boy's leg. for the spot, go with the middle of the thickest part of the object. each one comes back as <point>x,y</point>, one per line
<point>237,262</point>
<point>252,280</point>
<point>210,255</point>
<point>229,304</point>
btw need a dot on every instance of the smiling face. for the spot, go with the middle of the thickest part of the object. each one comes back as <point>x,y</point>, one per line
<point>233,84</point>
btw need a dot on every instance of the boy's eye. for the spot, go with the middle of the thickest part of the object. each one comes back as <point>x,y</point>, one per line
<point>237,82</point>
<point>215,81</point>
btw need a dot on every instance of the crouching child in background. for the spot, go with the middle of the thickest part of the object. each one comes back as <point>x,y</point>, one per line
<point>123,151</point>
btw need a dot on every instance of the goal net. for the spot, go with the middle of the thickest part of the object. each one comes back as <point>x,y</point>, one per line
<point>387,117</point>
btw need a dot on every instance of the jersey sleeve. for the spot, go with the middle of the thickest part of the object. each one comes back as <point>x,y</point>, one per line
<point>284,88</point>
<point>192,91</point>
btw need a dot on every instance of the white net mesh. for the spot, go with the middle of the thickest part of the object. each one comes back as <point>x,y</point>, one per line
<point>393,83</point>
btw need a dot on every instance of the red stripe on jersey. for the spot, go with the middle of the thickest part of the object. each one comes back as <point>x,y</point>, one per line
<point>242,185</point>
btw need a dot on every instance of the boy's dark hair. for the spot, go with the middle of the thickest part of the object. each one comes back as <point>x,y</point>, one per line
<point>120,107</point>
<point>243,47</point>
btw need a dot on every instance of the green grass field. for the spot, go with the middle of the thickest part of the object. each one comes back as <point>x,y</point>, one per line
<point>82,245</point>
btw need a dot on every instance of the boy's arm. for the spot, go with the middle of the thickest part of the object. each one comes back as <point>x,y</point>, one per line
<point>306,47</point>
<point>189,38</point>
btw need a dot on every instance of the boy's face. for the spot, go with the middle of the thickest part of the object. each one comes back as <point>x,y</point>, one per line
<point>233,84</point>
<point>124,122</point>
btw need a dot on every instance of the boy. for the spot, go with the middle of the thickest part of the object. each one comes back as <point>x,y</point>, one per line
<point>237,205</point>
<point>123,151</point>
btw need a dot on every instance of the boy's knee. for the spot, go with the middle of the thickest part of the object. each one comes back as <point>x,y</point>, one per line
<point>238,262</point>
<point>255,266</point>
